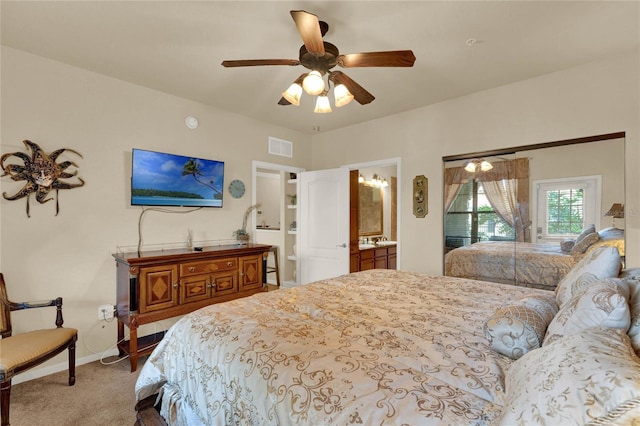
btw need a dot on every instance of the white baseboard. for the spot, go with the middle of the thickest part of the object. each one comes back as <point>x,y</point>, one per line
<point>62,366</point>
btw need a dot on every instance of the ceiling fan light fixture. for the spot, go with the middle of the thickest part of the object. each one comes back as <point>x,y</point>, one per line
<point>322,104</point>
<point>342,95</point>
<point>313,83</point>
<point>485,166</point>
<point>293,94</point>
<point>470,166</point>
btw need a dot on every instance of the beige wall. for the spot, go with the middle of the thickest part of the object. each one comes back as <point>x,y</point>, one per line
<point>59,106</point>
<point>69,255</point>
<point>592,99</point>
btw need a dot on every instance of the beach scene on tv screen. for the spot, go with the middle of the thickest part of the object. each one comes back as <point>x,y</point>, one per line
<point>161,179</point>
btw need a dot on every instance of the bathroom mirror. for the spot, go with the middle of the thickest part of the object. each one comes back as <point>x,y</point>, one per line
<point>370,211</point>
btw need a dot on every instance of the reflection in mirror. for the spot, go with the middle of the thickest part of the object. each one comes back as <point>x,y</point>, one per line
<point>380,218</point>
<point>370,209</point>
<point>269,198</point>
<point>518,222</point>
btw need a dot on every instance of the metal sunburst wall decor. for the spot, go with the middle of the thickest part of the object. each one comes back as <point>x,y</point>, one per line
<point>41,172</point>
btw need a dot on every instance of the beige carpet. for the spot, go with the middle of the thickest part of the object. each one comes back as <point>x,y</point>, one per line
<point>102,395</point>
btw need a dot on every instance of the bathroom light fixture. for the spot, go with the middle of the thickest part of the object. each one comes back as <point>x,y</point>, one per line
<point>360,178</point>
<point>474,165</point>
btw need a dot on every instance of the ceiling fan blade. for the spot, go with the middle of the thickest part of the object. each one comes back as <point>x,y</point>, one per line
<point>394,58</point>
<point>309,29</point>
<point>359,93</point>
<point>260,62</point>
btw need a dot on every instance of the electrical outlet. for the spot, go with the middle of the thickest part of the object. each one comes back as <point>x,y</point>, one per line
<point>105,312</point>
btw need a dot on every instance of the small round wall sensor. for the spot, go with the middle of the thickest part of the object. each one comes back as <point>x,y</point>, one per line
<point>191,122</point>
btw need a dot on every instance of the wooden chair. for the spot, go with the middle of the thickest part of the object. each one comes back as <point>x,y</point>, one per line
<point>25,350</point>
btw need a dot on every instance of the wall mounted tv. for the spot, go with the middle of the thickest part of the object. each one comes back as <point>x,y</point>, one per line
<point>162,179</point>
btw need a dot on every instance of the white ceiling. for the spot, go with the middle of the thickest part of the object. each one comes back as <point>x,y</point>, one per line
<point>177,47</point>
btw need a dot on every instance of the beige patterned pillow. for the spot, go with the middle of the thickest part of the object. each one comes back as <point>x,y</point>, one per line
<point>590,377</point>
<point>582,246</point>
<point>589,229</point>
<point>603,262</point>
<point>518,328</point>
<point>601,304</point>
<point>632,278</point>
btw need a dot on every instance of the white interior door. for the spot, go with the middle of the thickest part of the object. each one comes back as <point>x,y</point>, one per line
<point>323,224</point>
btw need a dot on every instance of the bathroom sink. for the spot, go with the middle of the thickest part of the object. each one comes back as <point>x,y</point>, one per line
<point>366,246</point>
<point>386,243</point>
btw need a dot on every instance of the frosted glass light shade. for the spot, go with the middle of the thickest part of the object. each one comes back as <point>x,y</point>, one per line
<point>313,83</point>
<point>322,105</point>
<point>342,95</point>
<point>293,94</point>
<point>485,166</point>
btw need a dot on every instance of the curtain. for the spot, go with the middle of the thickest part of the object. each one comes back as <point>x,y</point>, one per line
<point>507,189</point>
<point>454,177</point>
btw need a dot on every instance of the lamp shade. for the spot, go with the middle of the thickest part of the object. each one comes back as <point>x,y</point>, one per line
<point>313,83</point>
<point>342,95</point>
<point>616,211</point>
<point>470,166</point>
<point>485,166</point>
<point>322,105</point>
<point>293,94</point>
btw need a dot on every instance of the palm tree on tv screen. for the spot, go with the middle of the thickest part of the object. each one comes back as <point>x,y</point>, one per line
<point>192,168</point>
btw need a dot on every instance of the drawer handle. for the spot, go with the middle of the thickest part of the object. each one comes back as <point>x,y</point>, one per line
<point>192,268</point>
<point>229,263</point>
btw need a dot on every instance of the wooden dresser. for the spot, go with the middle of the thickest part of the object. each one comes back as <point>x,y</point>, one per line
<point>157,285</point>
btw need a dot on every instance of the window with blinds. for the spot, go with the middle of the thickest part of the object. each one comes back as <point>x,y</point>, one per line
<point>471,218</point>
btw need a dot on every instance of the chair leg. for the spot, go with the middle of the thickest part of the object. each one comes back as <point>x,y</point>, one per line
<point>5,395</point>
<point>72,362</point>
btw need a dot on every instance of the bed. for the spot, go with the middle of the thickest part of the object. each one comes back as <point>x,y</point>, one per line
<point>523,264</point>
<point>378,347</point>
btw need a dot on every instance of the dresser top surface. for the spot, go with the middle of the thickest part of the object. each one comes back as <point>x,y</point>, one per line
<point>190,254</point>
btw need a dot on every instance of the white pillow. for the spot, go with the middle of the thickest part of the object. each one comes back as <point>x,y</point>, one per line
<point>601,304</point>
<point>603,262</point>
<point>514,330</point>
<point>589,377</point>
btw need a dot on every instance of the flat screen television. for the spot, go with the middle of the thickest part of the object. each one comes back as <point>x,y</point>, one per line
<point>162,179</point>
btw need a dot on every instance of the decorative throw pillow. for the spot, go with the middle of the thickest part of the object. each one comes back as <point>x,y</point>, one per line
<point>589,229</point>
<point>590,377</point>
<point>632,278</point>
<point>567,245</point>
<point>585,243</point>
<point>601,304</point>
<point>518,328</point>
<point>604,262</point>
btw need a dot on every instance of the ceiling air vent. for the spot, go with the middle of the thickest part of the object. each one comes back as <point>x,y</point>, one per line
<point>280,147</point>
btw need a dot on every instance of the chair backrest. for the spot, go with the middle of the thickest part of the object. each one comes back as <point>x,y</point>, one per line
<point>5,311</point>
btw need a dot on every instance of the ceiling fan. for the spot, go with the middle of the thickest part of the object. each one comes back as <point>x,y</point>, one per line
<point>321,57</point>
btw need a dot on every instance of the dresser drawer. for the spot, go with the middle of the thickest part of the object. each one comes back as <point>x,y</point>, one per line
<point>204,267</point>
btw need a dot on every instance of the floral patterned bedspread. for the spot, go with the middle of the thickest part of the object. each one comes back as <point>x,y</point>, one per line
<point>379,347</point>
<point>523,264</point>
